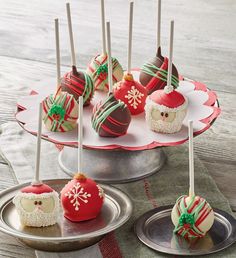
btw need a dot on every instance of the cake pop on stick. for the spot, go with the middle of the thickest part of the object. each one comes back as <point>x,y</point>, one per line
<point>166,109</point>
<point>77,83</point>
<point>60,110</point>
<point>132,93</point>
<point>37,204</point>
<point>110,118</point>
<point>81,198</point>
<point>192,215</point>
<point>97,67</point>
<point>153,74</point>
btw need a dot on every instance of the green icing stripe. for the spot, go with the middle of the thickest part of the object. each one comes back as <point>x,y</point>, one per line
<point>104,111</point>
<point>88,88</point>
<point>148,69</point>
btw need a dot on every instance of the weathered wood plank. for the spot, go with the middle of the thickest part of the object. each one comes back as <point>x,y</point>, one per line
<point>204,46</point>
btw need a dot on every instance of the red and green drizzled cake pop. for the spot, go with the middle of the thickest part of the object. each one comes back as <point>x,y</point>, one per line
<point>153,74</point>
<point>98,67</point>
<point>77,83</point>
<point>192,215</point>
<point>110,118</point>
<point>60,110</point>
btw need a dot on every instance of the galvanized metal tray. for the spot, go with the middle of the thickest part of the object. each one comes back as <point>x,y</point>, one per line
<point>65,235</point>
<point>155,229</point>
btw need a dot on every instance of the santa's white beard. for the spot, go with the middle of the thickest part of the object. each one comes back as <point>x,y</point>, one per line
<point>38,218</point>
<point>161,126</point>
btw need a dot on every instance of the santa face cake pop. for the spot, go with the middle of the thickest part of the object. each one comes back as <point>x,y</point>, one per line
<point>192,216</point>
<point>60,112</point>
<point>81,199</point>
<point>111,118</point>
<point>98,70</point>
<point>165,110</point>
<point>153,74</point>
<point>37,205</point>
<point>132,93</point>
<point>78,83</point>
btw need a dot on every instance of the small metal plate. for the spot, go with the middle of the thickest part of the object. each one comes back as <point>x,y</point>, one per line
<point>155,229</point>
<point>65,235</point>
<point>113,166</point>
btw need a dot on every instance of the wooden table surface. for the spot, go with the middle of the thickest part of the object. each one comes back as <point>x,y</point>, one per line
<point>204,50</point>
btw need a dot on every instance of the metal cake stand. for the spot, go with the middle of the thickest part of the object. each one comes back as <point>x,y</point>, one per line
<point>113,166</point>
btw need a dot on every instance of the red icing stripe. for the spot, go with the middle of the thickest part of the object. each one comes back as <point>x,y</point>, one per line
<point>115,122</point>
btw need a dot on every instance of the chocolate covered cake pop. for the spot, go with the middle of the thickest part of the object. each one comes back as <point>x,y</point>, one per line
<point>165,110</point>
<point>132,93</point>
<point>153,74</point>
<point>78,83</point>
<point>111,118</point>
<point>98,70</point>
<point>37,205</point>
<point>60,112</point>
<point>81,199</point>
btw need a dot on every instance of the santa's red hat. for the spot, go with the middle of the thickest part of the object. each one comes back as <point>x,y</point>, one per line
<point>168,99</point>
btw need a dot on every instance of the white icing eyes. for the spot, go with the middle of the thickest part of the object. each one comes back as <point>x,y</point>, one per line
<point>164,116</point>
<point>46,205</point>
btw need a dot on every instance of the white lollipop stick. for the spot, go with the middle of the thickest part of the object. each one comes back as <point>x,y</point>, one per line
<point>80,134</point>
<point>170,54</point>
<point>191,159</point>
<point>131,11</point>
<point>158,23</point>
<point>38,150</point>
<point>110,81</point>
<point>58,58</point>
<point>103,27</point>
<point>72,47</point>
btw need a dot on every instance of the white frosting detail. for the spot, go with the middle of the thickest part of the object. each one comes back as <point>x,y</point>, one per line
<point>168,89</point>
<point>134,97</point>
<point>77,194</point>
<point>163,126</point>
<point>100,191</point>
<point>37,218</point>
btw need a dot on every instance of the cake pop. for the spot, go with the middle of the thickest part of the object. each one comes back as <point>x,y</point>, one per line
<point>37,204</point>
<point>98,71</point>
<point>81,198</point>
<point>192,215</point>
<point>153,74</point>
<point>60,110</point>
<point>166,109</point>
<point>98,67</point>
<point>110,118</point>
<point>76,82</point>
<point>132,93</point>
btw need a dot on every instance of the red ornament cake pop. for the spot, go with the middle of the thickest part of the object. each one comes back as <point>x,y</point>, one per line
<point>132,93</point>
<point>81,199</point>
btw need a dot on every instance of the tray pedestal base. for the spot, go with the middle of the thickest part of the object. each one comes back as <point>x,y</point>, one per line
<point>113,166</point>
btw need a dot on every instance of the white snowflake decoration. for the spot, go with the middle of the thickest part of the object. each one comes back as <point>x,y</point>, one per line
<point>100,191</point>
<point>77,194</point>
<point>134,97</point>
